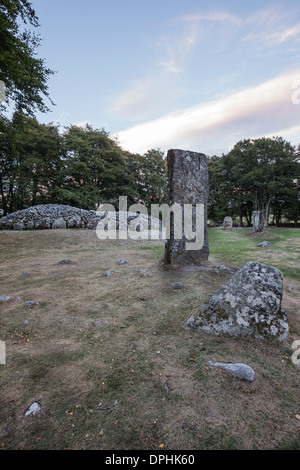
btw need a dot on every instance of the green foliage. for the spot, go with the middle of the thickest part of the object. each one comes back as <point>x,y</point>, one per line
<point>149,172</point>
<point>260,174</point>
<point>94,169</point>
<point>25,76</point>
<point>30,162</point>
<point>82,167</point>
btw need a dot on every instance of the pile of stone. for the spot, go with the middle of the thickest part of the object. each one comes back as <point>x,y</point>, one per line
<point>59,216</point>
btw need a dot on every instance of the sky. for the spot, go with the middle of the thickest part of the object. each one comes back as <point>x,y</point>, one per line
<point>164,74</point>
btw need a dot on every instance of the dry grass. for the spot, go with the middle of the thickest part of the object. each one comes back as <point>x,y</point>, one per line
<point>110,363</point>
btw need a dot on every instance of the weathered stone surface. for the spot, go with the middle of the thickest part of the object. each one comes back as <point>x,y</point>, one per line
<point>43,223</point>
<point>227,224</point>
<point>59,223</point>
<point>18,226</point>
<point>75,222</point>
<point>188,183</point>
<point>248,305</point>
<point>264,243</point>
<point>238,369</point>
<point>66,261</point>
<point>258,221</point>
<point>176,285</point>
<point>33,409</point>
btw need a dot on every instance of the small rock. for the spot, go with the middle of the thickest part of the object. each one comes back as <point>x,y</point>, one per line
<point>30,302</point>
<point>143,296</point>
<point>66,261</point>
<point>107,273</point>
<point>176,285</point>
<point>264,243</point>
<point>222,267</point>
<point>26,273</point>
<point>122,261</point>
<point>102,322</point>
<point>239,370</point>
<point>4,298</point>
<point>290,288</point>
<point>64,320</point>
<point>25,322</point>
<point>33,409</point>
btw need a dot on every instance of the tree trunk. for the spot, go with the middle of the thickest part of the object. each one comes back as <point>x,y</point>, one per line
<point>267,213</point>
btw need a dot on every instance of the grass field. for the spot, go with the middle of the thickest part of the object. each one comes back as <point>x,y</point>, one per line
<point>108,359</point>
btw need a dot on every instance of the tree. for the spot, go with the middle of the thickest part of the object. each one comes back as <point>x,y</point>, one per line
<point>94,169</point>
<point>150,174</point>
<point>30,158</point>
<point>261,171</point>
<point>24,75</point>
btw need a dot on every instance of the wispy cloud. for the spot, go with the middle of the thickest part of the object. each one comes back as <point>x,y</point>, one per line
<point>151,94</point>
<point>142,98</point>
<point>221,16</point>
<point>252,112</point>
<point>202,34</point>
<point>283,35</point>
<point>177,48</point>
<point>271,27</point>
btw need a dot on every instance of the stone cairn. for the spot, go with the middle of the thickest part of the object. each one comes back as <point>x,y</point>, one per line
<point>60,216</point>
<point>188,183</point>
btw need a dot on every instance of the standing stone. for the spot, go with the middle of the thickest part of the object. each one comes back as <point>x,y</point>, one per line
<point>188,183</point>
<point>258,221</point>
<point>227,224</point>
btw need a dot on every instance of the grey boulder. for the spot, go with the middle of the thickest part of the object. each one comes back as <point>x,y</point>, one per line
<point>238,369</point>
<point>249,305</point>
<point>264,243</point>
<point>59,223</point>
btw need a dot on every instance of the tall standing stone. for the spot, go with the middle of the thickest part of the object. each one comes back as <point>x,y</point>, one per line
<point>188,183</point>
<point>258,221</point>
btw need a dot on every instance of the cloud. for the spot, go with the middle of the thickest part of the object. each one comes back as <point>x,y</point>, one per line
<point>212,16</point>
<point>284,35</point>
<point>215,126</point>
<point>272,27</point>
<point>190,37</point>
<point>160,86</point>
